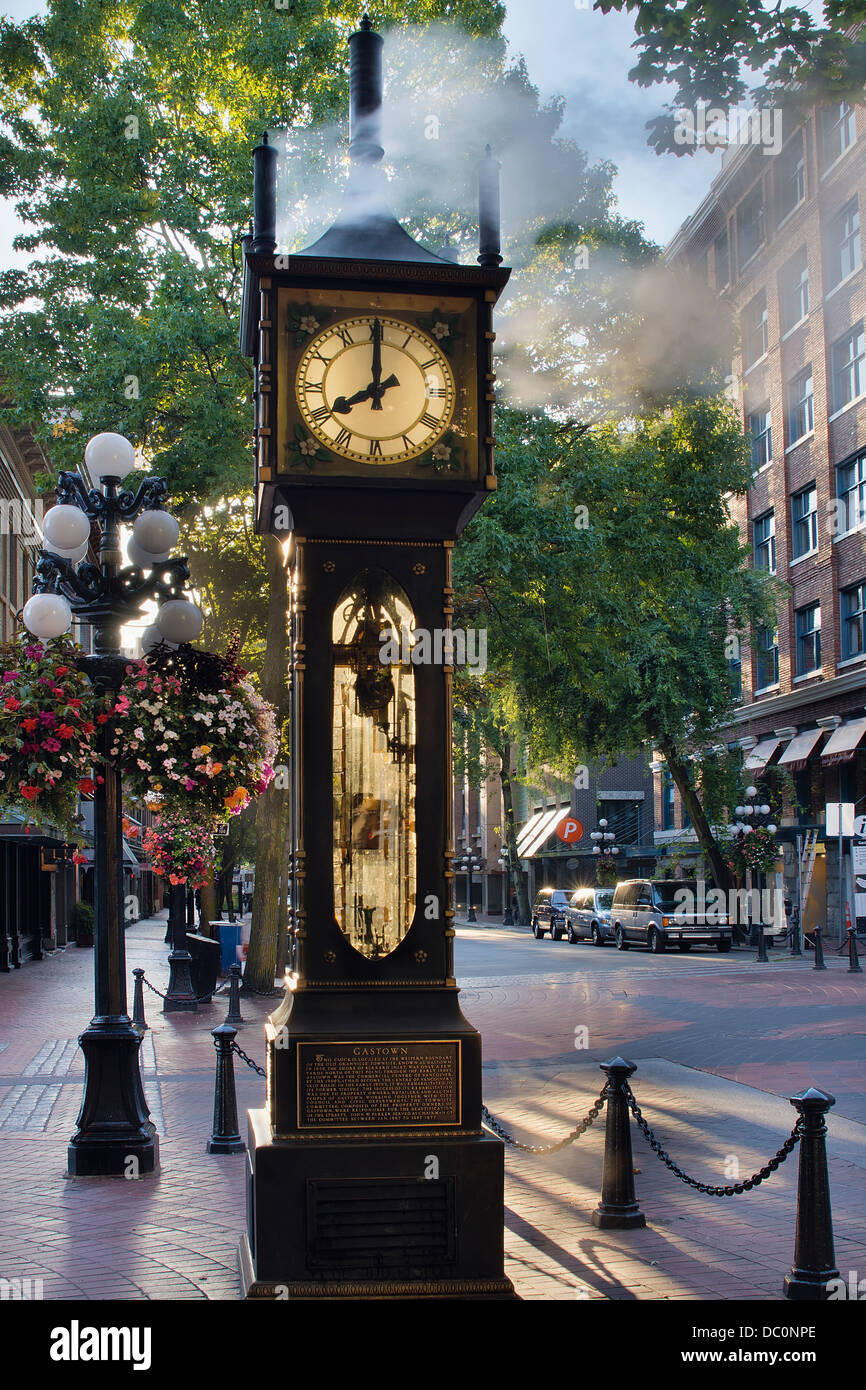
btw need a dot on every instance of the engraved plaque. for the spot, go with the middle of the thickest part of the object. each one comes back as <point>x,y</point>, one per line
<point>378,1085</point>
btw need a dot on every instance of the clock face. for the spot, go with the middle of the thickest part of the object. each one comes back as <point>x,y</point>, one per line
<point>375,389</point>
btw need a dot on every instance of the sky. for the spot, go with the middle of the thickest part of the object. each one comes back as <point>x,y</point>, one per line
<point>584,57</point>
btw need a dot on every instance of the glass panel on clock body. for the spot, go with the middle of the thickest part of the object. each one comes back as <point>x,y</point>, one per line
<point>373,766</point>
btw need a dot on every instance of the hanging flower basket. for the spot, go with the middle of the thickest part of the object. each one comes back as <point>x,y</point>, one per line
<point>180,848</point>
<point>190,732</point>
<point>48,724</point>
<point>753,850</point>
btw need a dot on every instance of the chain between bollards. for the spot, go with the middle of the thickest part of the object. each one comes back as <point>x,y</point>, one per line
<point>588,1120</point>
<point>199,998</point>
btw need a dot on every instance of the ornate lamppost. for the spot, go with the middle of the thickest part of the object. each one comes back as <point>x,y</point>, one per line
<point>114,1136</point>
<point>605,849</point>
<point>470,864</point>
<point>754,814</point>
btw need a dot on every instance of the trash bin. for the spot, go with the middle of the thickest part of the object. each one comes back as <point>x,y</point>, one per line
<point>230,940</point>
<point>205,965</point>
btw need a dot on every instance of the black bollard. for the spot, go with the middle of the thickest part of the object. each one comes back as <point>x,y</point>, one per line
<point>819,950</point>
<point>234,1017</point>
<point>814,1256</point>
<point>138,1019</point>
<point>225,1138</point>
<point>618,1208</point>
<point>854,966</point>
<point>180,995</point>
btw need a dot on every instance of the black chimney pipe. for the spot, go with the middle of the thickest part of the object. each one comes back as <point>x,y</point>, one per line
<point>264,196</point>
<point>488,210</point>
<point>365,94</point>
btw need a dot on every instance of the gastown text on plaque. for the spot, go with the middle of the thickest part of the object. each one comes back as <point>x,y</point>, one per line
<point>375,1085</point>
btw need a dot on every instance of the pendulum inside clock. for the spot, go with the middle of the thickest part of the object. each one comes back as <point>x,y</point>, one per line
<point>374,792</point>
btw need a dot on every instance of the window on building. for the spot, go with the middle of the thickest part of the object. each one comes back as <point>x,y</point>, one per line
<point>623,819</point>
<point>838,131</point>
<point>794,290</point>
<point>801,418</point>
<point>843,244</point>
<point>804,519</point>
<point>790,174</point>
<point>766,657</point>
<point>847,357</point>
<point>854,621</point>
<point>756,335</point>
<point>808,628</point>
<point>667,800</point>
<point>851,491</point>
<point>722,259</point>
<point>761,430</point>
<point>764,542</point>
<point>750,225</point>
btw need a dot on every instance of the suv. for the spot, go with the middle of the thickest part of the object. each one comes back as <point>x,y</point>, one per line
<point>588,915</point>
<point>548,913</point>
<point>662,912</point>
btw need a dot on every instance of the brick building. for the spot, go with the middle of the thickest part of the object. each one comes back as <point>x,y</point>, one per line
<point>778,236</point>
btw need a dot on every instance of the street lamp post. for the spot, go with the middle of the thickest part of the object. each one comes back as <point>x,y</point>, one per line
<point>755,814</point>
<point>505,864</point>
<point>471,864</point>
<point>114,1136</point>
<point>604,846</point>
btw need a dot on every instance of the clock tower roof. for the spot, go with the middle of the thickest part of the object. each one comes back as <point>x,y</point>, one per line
<point>367,229</point>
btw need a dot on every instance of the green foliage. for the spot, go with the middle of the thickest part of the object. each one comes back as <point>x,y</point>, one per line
<point>705,47</point>
<point>81,919</point>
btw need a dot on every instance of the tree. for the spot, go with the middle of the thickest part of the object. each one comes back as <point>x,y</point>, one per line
<point>612,579</point>
<point>125,139</point>
<point>704,47</point>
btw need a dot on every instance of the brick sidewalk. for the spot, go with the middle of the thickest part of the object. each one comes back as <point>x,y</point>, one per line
<point>175,1236</point>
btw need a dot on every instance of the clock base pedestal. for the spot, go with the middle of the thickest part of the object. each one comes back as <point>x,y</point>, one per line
<point>360,1220</point>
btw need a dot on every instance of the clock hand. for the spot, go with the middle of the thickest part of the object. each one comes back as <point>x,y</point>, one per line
<point>342,406</point>
<point>376,334</point>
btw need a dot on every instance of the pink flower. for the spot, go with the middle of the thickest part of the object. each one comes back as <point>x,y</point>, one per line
<point>52,745</point>
<point>11,675</point>
<point>189,784</point>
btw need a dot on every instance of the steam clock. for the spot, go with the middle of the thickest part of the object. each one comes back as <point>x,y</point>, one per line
<point>370,1173</point>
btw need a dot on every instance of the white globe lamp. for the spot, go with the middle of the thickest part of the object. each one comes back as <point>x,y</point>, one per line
<point>47,615</point>
<point>156,533</point>
<point>109,456</point>
<point>65,528</point>
<point>179,620</point>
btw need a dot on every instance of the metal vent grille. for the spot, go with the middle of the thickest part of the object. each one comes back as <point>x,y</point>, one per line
<point>379,1224</point>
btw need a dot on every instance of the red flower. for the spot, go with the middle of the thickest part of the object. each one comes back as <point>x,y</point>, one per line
<point>66,731</point>
<point>60,670</point>
<point>79,858</point>
<point>87,785</point>
<point>31,793</point>
<point>102,719</point>
<point>87,727</point>
<point>29,724</point>
<point>12,703</point>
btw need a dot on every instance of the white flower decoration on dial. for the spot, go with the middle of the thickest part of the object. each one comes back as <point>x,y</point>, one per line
<point>375,389</point>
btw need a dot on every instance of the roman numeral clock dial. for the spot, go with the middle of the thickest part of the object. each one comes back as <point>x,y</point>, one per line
<point>375,389</point>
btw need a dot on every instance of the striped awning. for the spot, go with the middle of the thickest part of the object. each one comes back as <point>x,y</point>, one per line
<point>796,755</point>
<point>539,828</point>
<point>761,754</point>
<point>843,743</point>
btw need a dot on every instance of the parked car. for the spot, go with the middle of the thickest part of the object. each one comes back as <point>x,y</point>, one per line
<point>588,915</point>
<point>658,913</point>
<point>548,913</point>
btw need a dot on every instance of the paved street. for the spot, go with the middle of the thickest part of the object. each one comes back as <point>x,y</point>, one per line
<point>716,1056</point>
